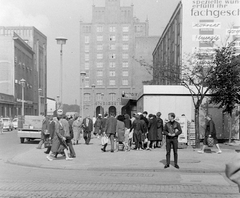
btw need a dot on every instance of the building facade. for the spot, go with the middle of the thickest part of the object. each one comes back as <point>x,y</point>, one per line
<point>107,50</point>
<point>196,27</point>
<point>37,41</point>
<point>16,63</point>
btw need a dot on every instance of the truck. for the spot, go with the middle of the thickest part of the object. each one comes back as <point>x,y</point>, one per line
<point>29,127</point>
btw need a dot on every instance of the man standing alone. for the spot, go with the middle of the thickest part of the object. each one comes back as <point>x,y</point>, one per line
<point>172,130</point>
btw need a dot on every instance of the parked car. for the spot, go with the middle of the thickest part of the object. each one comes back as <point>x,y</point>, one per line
<point>7,124</point>
<point>15,123</point>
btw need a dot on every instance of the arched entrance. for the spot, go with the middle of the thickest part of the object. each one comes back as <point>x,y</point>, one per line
<point>112,110</point>
<point>99,110</point>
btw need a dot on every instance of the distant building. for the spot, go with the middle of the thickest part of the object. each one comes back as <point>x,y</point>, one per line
<point>107,54</point>
<point>195,27</point>
<point>37,42</point>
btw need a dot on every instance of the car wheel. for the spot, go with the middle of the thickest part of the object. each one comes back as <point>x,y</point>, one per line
<point>22,140</point>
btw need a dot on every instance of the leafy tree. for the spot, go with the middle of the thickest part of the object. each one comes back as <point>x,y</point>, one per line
<point>193,74</point>
<point>225,80</point>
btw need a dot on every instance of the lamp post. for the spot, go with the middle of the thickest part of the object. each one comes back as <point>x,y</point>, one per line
<point>93,98</point>
<point>23,81</point>
<point>82,74</point>
<point>39,101</point>
<point>57,101</point>
<point>61,41</point>
<point>102,111</point>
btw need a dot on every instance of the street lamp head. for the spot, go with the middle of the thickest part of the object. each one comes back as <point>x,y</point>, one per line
<point>61,40</point>
<point>22,81</point>
<point>83,73</point>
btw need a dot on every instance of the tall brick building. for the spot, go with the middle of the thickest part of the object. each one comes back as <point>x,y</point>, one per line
<point>107,51</point>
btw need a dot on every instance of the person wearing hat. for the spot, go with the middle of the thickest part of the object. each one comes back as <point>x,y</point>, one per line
<point>59,139</point>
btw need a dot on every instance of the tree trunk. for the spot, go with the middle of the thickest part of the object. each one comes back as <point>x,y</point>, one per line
<point>230,130</point>
<point>197,134</point>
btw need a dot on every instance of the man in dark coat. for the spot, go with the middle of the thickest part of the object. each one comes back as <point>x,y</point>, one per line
<point>51,130</point>
<point>44,131</point>
<point>110,130</point>
<point>87,129</point>
<point>172,130</point>
<point>210,131</point>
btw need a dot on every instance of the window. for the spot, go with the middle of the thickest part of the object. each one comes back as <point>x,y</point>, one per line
<point>112,96</point>
<point>100,29</point>
<point>99,47</point>
<point>112,38</point>
<point>112,47</point>
<point>99,96</point>
<point>87,29</point>
<point>138,28</point>
<point>100,82</point>
<point>86,82</point>
<point>125,56</point>
<point>125,29</point>
<point>125,47</point>
<point>112,29</point>
<point>99,73</point>
<point>87,65</point>
<point>112,82</point>
<point>100,64</point>
<point>125,82</point>
<point>86,39</point>
<point>86,57</point>
<point>125,64</point>
<point>86,48</point>
<point>112,73</point>
<point>86,97</point>
<point>125,38</point>
<point>99,56</point>
<point>99,38</point>
<point>112,64</point>
<point>112,56</point>
<point>125,73</point>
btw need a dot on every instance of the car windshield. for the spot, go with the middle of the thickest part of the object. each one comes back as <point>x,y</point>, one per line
<point>15,120</point>
<point>5,120</point>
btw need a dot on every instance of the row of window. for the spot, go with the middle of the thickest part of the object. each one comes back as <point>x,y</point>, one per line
<point>112,29</point>
<point>110,56</point>
<point>111,38</point>
<point>112,73</point>
<point>111,47</point>
<point>100,65</point>
<point>100,96</point>
<point>110,83</point>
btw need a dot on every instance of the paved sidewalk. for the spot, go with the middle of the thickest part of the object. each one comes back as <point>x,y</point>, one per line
<point>90,157</point>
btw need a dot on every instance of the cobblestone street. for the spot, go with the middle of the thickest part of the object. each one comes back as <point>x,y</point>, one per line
<point>25,173</point>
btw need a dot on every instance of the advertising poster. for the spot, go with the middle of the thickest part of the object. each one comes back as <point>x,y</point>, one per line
<point>209,24</point>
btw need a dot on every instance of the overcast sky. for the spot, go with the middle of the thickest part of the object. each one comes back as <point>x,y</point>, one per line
<point>56,18</point>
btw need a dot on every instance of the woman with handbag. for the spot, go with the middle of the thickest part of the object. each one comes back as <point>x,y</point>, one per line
<point>210,135</point>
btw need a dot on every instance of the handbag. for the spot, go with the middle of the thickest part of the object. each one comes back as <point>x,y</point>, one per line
<point>104,140</point>
<point>48,143</point>
<point>210,141</point>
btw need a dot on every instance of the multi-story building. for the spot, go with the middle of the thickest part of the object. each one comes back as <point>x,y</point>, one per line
<point>107,51</point>
<point>16,63</point>
<point>37,41</point>
<point>195,27</point>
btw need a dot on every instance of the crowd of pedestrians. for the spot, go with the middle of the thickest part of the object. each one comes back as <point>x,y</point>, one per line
<point>142,131</point>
